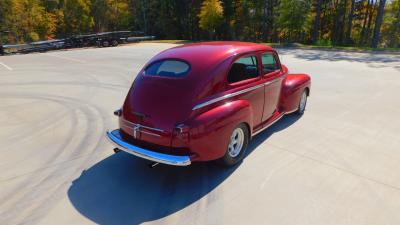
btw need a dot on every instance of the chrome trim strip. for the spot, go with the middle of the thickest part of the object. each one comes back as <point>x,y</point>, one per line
<point>201,105</point>
<point>292,111</point>
<point>149,133</point>
<point>272,123</point>
<point>115,137</point>
<point>273,81</point>
<point>150,128</point>
<point>214,100</point>
<point>141,131</point>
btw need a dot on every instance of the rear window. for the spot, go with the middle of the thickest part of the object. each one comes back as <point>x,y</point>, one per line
<point>168,68</point>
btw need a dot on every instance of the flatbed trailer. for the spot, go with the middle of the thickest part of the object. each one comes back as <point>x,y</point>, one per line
<point>104,39</point>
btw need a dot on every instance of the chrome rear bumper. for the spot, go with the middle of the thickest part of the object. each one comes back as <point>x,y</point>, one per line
<point>174,160</point>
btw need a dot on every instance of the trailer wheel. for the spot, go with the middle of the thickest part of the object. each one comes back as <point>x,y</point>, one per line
<point>105,43</point>
<point>114,43</point>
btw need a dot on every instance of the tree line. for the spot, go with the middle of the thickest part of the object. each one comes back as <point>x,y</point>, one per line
<point>369,23</point>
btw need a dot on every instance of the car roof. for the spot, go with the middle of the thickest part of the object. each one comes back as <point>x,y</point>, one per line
<point>209,62</point>
<point>231,47</point>
<point>210,53</point>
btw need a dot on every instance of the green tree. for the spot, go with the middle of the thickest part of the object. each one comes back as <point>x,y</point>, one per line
<point>117,15</point>
<point>210,15</point>
<point>98,11</point>
<point>350,22</point>
<point>378,23</point>
<point>337,22</point>
<point>317,21</point>
<point>391,25</point>
<point>293,15</point>
<point>5,12</point>
<point>76,17</point>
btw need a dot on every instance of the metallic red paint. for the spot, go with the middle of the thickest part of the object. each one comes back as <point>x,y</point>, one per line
<point>292,88</point>
<point>164,108</point>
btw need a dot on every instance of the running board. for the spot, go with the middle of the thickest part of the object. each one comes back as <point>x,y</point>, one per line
<point>270,124</point>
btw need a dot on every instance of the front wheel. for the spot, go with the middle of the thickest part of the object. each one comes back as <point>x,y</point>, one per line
<point>238,142</point>
<point>302,103</point>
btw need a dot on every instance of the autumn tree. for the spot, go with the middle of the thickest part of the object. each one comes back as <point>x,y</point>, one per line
<point>210,15</point>
<point>117,15</point>
<point>27,20</point>
<point>322,22</point>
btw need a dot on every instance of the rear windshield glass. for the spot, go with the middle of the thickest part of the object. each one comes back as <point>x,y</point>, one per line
<point>168,68</point>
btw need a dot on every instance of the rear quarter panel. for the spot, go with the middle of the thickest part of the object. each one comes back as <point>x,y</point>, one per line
<point>210,131</point>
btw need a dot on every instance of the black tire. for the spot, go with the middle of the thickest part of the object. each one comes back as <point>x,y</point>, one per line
<point>230,159</point>
<point>114,43</point>
<point>105,43</point>
<point>302,105</point>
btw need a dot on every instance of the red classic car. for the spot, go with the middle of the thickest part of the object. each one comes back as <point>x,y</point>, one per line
<point>205,101</point>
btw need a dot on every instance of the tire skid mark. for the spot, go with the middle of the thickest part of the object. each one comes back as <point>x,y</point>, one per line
<point>82,144</point>
<point>115,87</point>
<point>35,195</point>
<point>50,159</point>
<point>40,211</point>
<point>40,126</point>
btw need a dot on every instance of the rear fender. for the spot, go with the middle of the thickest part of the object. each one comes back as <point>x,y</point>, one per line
<point>292,88</point>
<point>210,131</point>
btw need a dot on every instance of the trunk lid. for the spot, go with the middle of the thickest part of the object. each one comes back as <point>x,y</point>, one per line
<point>154,106</point>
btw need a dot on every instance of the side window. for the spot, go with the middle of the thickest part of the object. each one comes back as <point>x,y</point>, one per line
<point>269,63</point>
<point>243,68</point>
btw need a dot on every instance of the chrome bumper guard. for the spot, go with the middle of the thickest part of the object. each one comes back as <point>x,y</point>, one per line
<point>174,160</point>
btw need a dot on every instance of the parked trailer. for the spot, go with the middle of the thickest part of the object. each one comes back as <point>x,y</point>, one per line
<point>115,38</point>
<point>136,39</point>
<point>105,39</point>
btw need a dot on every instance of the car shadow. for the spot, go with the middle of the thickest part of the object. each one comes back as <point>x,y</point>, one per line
<point>374,59</point>
<point>122,189</point>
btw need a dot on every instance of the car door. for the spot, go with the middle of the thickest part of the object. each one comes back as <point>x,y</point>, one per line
<point>244,77</point>
<point>272,77</point>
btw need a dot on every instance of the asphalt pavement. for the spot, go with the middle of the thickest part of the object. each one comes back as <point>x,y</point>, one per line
<point>337,164</point>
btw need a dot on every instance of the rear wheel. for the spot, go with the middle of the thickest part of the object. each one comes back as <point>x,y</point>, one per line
<point>238,142</point>
<point>302,103</point>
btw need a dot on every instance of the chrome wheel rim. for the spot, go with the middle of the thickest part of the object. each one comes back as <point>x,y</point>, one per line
<point>303,101</point>
<point>236,142</point>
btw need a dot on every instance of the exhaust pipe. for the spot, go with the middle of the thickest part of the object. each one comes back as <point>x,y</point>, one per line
<point>116,150</point>
<point>152,165</point>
